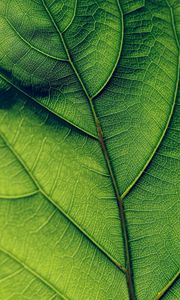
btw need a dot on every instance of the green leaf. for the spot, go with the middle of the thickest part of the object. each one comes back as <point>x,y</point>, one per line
<point>89,147</point>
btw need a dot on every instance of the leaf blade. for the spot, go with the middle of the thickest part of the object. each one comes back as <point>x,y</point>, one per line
<point>58,138</point>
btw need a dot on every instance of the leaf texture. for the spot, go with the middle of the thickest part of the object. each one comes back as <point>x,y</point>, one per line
<point>89,147</point>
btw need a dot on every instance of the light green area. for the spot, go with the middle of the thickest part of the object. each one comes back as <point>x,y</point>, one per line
<point>60,230</point>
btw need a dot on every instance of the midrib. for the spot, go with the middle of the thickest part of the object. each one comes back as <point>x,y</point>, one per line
<point>122,216</point>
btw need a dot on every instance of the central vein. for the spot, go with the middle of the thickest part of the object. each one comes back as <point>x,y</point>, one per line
<point>122,216</point>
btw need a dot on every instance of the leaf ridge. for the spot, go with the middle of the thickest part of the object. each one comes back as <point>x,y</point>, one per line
<point>136,6</point>
<point>27,195</point>
<point>40,189</point>
<point>33,272</point>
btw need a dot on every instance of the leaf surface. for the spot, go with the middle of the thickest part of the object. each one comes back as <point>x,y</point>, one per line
<point>89,123</point>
